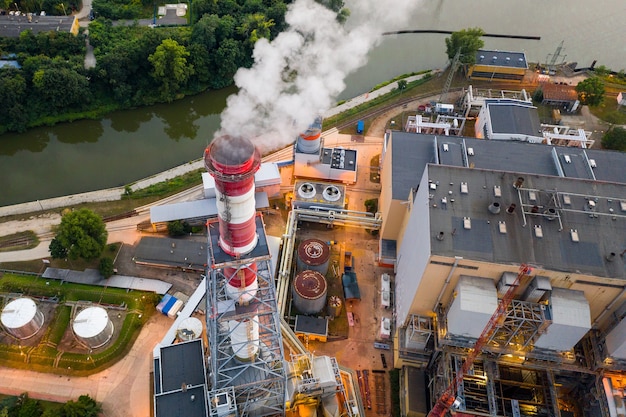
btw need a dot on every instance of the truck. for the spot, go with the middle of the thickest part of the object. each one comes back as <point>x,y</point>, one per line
<point>442,108</point>
<point>360,125</point>
<point>350,286</point>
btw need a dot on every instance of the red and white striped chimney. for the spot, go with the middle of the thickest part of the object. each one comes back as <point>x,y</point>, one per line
<point>233,161</point>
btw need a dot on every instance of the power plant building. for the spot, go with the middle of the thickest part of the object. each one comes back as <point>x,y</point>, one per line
<point>479,210</point>
<point>498,65</point>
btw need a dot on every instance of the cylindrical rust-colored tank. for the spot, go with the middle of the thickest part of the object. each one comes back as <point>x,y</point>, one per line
<point>314,255</point>
<point>309,292</point>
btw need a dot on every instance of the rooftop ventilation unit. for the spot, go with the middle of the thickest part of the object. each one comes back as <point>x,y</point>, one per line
<point>464,189</point>
<point>568,160</point>
<point>592,162</point>
<point>507,279</point>
<point>470,151</point>
<point>318,194</point>
<point>497,191</point>
<point>502,227</point>
<point>574,234</point>
<point>306,190</point>
<point>537,289</point>
<point>445,147</point>
<point>467,223</point>
<point>331,193</point>
<point>567,199</point>
<point>538,231</point>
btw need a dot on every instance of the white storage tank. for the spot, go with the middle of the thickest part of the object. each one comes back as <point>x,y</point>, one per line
<point>189,329</point>
<point>93,327</point>
<point>571,320</point>
<point>21,318</point>
<point>475,302</point>
<point>309,292</point>
<point>616,341</point>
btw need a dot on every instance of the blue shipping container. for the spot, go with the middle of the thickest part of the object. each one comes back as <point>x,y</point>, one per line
<point>360,125</point>
<point>163,302</point>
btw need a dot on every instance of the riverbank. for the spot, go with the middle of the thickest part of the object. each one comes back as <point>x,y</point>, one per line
<point>116,193</point>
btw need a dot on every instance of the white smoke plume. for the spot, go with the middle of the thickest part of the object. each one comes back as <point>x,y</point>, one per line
<point>298,75</point>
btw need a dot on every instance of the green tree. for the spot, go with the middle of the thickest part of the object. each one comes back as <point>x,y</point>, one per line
<point>591,91</point>
<point>226,61</point>
<point>468,41</point>
<point>402,85</point>
<point>29,407</point>
<point>170,67</point>
<point>84,407</point>
<point>57,250</point>
<point>255,27</point>
<point>82,233</point>
<point>615,139</point>
<point>178,228</point>
<point>12,100</point>
<point>106,267</point>
<point>60,88</point>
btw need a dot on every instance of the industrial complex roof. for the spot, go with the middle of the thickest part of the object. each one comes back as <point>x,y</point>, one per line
<point>12,26</point>
<point>179,380</point>
<point>513,116</point>
<point>501,58</point>
<point>561,224</point>
<point>411,152</point>
<point>196,209</point>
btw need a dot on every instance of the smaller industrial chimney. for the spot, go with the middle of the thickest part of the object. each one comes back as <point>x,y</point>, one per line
<point>310,141</point>
<point>494,207</point>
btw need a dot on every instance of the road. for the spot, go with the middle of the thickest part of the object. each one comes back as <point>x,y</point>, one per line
<point>123,389</point>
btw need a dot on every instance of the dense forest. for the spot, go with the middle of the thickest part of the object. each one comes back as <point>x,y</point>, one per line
<point>135,65</point>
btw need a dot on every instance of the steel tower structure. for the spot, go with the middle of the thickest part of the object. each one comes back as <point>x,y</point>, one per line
<point>246,364</point>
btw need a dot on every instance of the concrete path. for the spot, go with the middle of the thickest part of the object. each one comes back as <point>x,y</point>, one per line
<point>363,98</point>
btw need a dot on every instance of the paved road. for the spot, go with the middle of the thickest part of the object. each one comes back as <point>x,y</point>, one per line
<point>123,389</point>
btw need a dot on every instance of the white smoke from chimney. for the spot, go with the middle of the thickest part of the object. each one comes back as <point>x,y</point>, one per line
<point>300,73</point>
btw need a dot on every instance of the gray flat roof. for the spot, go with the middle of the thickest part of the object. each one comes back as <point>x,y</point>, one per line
<point>410,154</point>
<point>501,58</point>
<point>195,209</point>
<point>93,277</point>
<point>514,117</point>
<point>179,380</point>
<point>412,151</point>
<point>600,231</point>
<point>12,26</point>
<point>182,253</point>
<point>311,325</point>
<point>181,362</point>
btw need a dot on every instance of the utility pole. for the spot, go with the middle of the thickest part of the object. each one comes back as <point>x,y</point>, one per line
<point>557,53</point>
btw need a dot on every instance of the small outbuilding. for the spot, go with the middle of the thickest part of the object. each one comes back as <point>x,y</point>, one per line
<point>562,96</point>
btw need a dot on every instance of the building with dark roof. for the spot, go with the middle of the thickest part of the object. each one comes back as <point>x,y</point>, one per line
<point>498,65</point>
<point>507,119</point>
<point>180,385</point>
<point>11,25</point>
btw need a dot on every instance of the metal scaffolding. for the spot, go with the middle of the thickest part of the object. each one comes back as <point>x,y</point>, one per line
<point>258,383</point>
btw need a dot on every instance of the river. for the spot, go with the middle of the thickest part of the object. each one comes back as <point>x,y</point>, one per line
<point>126,146</point>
